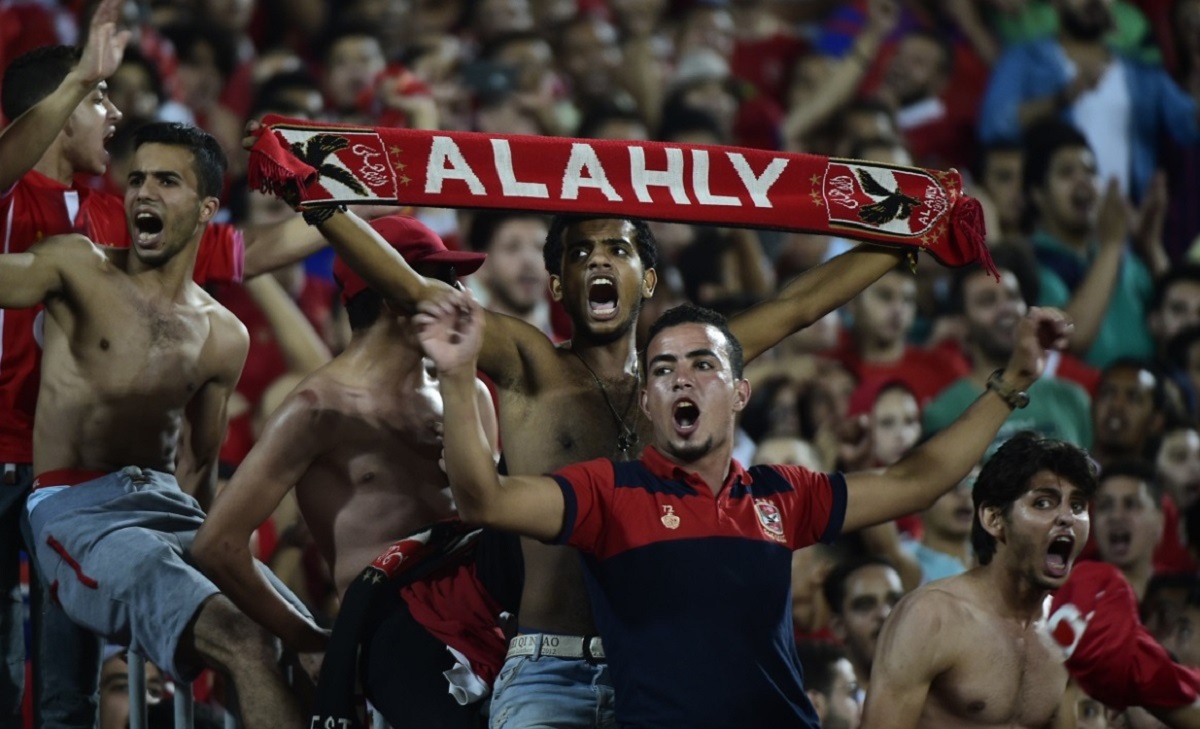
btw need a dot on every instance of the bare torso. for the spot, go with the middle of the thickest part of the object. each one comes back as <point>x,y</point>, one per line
<point>563,420</point>
<point>378,478</point>
<point>1003,674</point>
<point>119,369</point>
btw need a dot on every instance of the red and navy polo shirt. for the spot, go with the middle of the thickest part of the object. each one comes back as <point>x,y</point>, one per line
<point>692,592</point>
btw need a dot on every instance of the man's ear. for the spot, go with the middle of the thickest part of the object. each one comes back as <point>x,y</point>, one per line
<point>992,519</point>
<point>209,208</point>
<point>556,287</point>
<point>741,395</point>
<point>649,282</point>
<point>819,704</point>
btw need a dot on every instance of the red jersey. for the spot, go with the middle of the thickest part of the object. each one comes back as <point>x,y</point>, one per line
<point>37,207</point>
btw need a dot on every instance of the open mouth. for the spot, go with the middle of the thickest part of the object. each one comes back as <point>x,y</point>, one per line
<point>602,297</point>
<point>685,415</point>
<point>1058,555</point>
<point>1119,542</point>
<point>148,227</point>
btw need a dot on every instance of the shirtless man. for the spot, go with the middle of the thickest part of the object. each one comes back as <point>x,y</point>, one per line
<point>989,665</point>
<point>360,440</point>
<point>576,401</point>
<point>133,348</point>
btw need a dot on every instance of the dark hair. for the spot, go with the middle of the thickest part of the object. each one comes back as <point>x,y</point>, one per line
<point>817,659</point>
<point>208,158</point>
<point>834,586</point>
<point>272,91</point>
<point>347,29</point>
<point>364,309</point>
<point>1138,471</point>
<point>35,75</point>
<point>983,158</point>
<point>681,120</point>
<point>188,36</point>
<point>692,314</point>
<point>756,416</point>
<point>1187,272</point>
<point>552,253</point>
<point>702,262</point>
<point>1187,582</point>
<point>1007,257</point>
<point>135,57</point>
<point>485,223</point>
<point>1042,142</point>
<point>1181,343</point>
<point>607,111</point>
<point>1006,476</point>
<point>941,40</point>
<point>1158,394</point>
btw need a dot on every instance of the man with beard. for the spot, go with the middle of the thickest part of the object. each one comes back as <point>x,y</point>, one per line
<point>1057,408</point>
<point>1120,104</point>
<point>1127,412</point>
<point>688,555</point>
<point>988,666</point>
<point>512,280</point>
<point>575,401</point>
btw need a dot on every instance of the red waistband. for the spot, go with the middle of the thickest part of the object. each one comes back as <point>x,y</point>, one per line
<point>66,477</point>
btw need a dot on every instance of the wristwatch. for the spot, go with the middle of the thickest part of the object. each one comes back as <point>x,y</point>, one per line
<point>1015,398</point>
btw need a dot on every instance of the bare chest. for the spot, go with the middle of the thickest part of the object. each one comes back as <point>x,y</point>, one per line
<point>576,421</point>
<point>1007,678</point>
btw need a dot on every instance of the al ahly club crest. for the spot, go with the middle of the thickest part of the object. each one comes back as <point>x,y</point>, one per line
<point>898,200</point>
<point>770,518</point>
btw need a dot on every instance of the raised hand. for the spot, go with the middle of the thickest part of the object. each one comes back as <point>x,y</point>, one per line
<point>450,329</point>
<point>1041,330</point>
<point>105,45</point>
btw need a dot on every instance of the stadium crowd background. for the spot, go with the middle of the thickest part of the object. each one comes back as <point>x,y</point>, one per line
<point>1085,159</point>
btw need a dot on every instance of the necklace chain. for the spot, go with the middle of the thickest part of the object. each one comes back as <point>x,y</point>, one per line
<point>627,437</point>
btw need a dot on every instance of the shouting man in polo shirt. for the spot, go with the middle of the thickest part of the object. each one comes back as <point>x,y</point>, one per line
<point>687,554</point>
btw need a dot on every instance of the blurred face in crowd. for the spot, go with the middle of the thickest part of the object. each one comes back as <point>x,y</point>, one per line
<point>114,691</point>
<point>1178,465</point>
<point>353,63</point>
<point>1123,412</point>
<point>1002,181</point>
<point>590,56</point>
<point>895,425</point>
<point>1180,309</point>
<point>840,708</point>
<point>707,27</point>
<point>992,313</point>
<point>496,17</point>
<point>132,90</point>
<point>951,515</point>
<point>871,593</point>
<point>514,273</point>
<point>917,70</point>
<point>1183,636</point>
<point>884,313</point>
<point>1070,196</point>
<point>232,16</point>
<point>1126,521</point>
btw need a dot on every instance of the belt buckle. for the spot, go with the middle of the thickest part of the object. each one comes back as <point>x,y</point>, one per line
<point>587,650</point>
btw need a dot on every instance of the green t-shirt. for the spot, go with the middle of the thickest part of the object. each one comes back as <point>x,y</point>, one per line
<point>1057,409</point>
<point>1123,332</point>
<point>1131,35</point>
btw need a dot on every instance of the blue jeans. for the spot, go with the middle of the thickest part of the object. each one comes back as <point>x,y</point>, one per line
<point>544,692</point>
<point>67,661</point>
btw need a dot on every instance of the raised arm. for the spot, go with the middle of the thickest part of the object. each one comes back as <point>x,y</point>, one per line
<point>925,473</point>
<point>208,411</point>
<point>451,331</point>
<point>292,439</point>
<point>811,296</point>
<point>26,139</point>
<point>907,661</point>
<point>27,279</point>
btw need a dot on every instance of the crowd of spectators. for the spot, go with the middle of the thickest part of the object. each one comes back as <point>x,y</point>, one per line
<point>1074,122</point>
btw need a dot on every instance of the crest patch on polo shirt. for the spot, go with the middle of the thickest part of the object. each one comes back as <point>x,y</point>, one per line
<point>669,519</point>
<point>770,518</point>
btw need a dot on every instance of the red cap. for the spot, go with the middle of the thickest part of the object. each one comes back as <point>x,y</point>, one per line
<point>413,240</point>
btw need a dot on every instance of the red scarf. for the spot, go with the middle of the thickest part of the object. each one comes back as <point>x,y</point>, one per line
<point>320,164</point>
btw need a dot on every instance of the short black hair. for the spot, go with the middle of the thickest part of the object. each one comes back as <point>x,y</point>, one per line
<point>1138,471</point>
<point>552,252</point>
<point>347,29</point>
<point>208,158</point>
<point>1007,475</point>
<point>608,111</point>
<point>1042,142</point>
<point>364,309</point>
<point>35,75</point>
<point>682,120</point>
<point>1175,274</point>
<point>983,158</point>
<point>485,223</point>
<point>1007,257</point>
<point>188,36</point>
<point>817,659</point>
<point>692,314</point>
<point>834,586</point>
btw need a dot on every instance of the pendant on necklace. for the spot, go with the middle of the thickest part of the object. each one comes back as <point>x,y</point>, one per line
<point>626,440</point>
